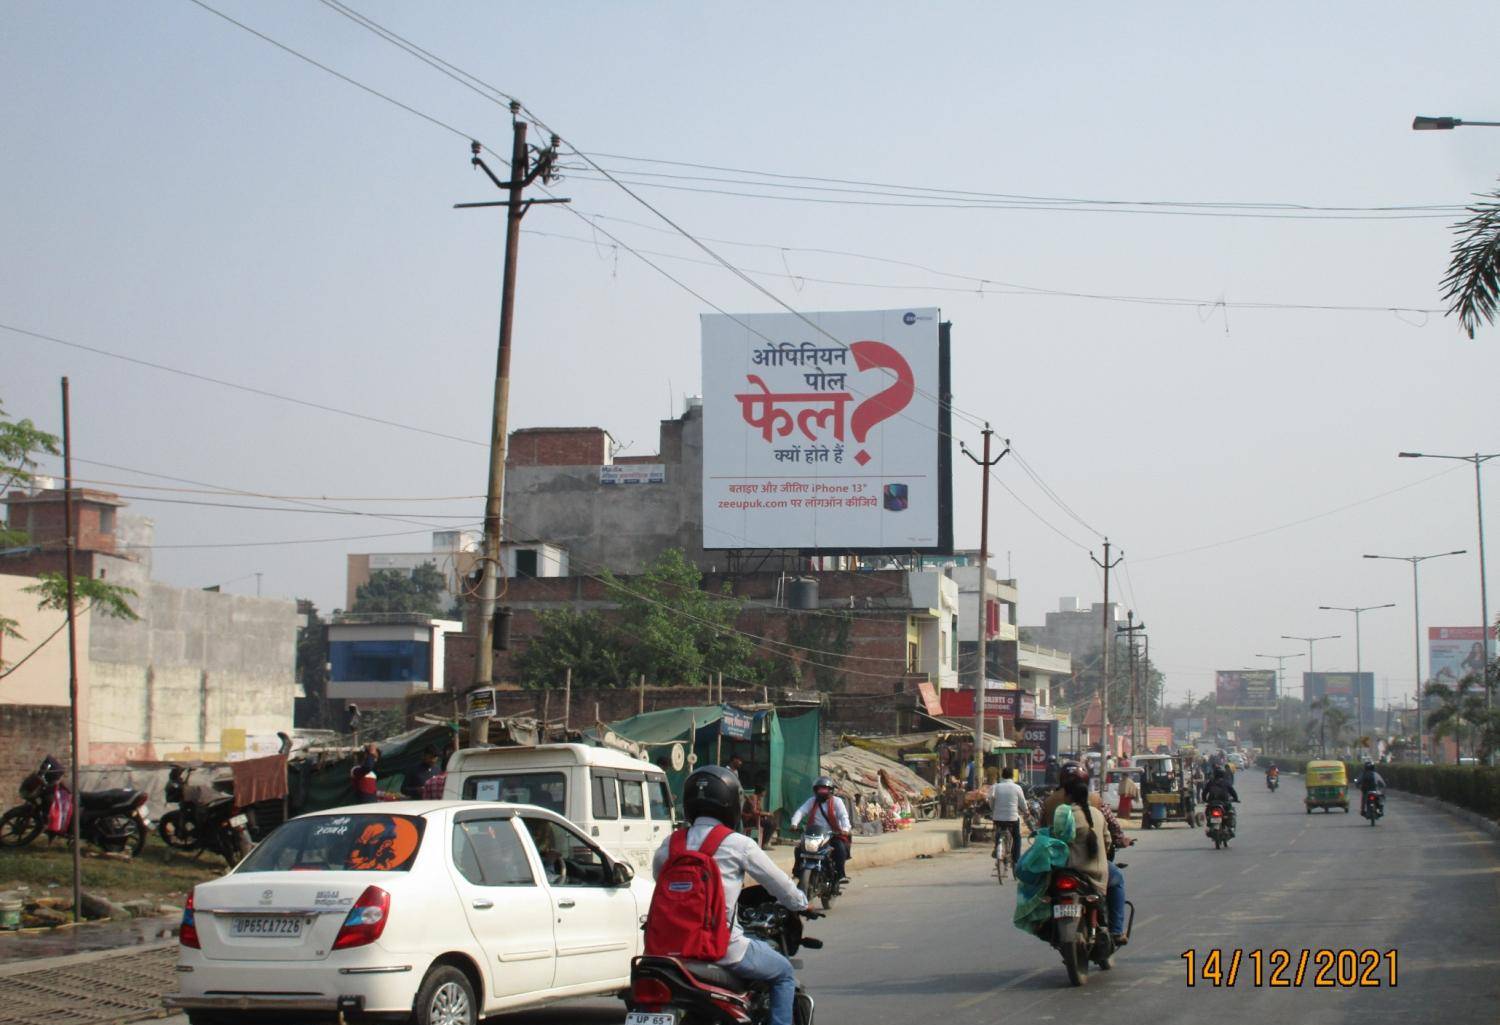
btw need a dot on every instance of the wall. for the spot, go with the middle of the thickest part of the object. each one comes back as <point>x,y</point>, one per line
<point>1077,633</point>
<point>620,527</point>
<point>196,663</point>
<point>27,734</point>
<point>43,679</point>
<point>558,446</point>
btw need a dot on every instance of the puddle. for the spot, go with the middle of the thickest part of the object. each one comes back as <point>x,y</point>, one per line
<point>17,947</point>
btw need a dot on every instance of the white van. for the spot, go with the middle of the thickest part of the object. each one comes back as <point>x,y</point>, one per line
<point>623,802</point>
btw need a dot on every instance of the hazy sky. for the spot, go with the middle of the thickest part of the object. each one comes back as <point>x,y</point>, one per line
<point>182,192</point>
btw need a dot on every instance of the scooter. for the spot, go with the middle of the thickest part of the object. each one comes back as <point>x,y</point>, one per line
<point>114,820</point>
<point>1272,782</point>
<point>813,868</point>
<point>672,991</point>
<point>1219,830</point>
<point>1079,926</point>
<point>1373,806</point>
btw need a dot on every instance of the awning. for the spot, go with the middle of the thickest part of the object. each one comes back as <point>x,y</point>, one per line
<point>992,743</point>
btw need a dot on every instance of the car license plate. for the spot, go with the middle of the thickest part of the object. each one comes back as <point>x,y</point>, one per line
<point>650,1018</point>
<point>1067,910</point>
<point>239,820</point>
<point>268,926</point>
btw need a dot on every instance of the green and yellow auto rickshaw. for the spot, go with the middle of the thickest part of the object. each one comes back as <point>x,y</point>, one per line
<point>1327,786</point>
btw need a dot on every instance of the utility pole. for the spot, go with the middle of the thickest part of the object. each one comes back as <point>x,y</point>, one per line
<point>1106,565</point>
<point>72,546</point>
<point>984,465</point>
<point>1130,630</point>
<point>522,174</point>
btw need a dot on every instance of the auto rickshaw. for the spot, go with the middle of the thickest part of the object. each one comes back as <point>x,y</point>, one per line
<point>1167,792</point>
<point>1327,786</point>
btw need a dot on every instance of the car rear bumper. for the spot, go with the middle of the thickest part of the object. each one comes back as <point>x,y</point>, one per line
<point>297,988</point>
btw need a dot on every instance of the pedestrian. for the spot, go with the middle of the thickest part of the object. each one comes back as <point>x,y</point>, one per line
<point>1129,791</point>
<point>363,775</point>
<point>415,783</point>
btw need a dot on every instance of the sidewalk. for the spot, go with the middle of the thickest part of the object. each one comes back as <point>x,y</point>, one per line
<point>102,988</point>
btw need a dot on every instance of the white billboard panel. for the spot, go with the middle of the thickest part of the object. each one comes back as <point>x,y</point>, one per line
<point>819,442</point>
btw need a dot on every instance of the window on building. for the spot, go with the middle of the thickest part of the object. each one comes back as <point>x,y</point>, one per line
<point>379,661</point>
<point>107,520</point>
<point>526,563</point>
<point>913,656</point>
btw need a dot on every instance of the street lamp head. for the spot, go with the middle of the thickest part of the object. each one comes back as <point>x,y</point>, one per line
<point>1408,455</point>
<point>1421,123</point>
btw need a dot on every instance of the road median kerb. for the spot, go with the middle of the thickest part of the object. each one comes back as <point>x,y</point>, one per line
<point>933,837</point>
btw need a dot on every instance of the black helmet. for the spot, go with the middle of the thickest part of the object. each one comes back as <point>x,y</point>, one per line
<point>1072,772</point>
<point>1369,765</point>
<point>713,791</point>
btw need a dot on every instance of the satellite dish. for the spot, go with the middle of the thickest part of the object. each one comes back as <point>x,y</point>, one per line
<point>679,758</point>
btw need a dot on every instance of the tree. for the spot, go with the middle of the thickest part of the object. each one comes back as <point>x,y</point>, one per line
<point>312,654</point>
<point>1461,708</point>
<point>1472,284</point>
<point>20,442</point>
<point>393,591</point>
<point>580,641</point>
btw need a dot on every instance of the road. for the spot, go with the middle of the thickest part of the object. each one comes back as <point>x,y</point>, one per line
<point>932,940</point>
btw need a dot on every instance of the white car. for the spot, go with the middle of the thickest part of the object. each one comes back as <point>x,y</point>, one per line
<point>436,912</point>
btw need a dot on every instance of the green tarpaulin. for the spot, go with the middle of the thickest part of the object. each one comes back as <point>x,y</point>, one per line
<point>330,786</point>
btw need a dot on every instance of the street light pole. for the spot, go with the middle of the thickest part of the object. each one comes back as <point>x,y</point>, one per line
<point>1478,459</point>
<point>1422,123</point>
<point>1310,642</point>
<point>1359,694</point>
<point>1416,625</point>
<point>1280,665</point>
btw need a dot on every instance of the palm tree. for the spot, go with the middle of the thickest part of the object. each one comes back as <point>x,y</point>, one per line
<point>1319,707</point>
<point>1472,284</point>
<point>1336,719</point>
<point>1458,707</point>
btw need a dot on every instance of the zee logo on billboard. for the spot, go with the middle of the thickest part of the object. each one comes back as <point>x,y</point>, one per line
<point>909,319</point>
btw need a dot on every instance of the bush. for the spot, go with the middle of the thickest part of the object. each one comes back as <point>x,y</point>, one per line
<point>1474,787</point>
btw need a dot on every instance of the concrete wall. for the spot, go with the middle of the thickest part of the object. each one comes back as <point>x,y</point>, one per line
<point>620,527</point>
<point>27,734</point>
<point>195,664</point>
<point>1077,633</point>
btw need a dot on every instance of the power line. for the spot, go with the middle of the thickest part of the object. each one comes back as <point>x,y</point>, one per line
<point>262,392</point>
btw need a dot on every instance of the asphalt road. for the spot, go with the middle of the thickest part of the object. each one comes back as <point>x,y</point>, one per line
<point>932,940</point>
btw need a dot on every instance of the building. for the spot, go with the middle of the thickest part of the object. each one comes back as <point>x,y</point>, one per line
<point>1077,631</point>
<point>195,666</point>
<point>386,657</point>
<point>454,554</point>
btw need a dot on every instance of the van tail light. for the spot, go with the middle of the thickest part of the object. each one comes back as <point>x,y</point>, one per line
<point>650,994</point>
<point>1066,884</point>
<point>366,919</point>
<point>187,932</point>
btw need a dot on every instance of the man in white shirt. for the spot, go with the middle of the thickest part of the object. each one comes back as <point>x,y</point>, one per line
<point>826,813</point>
<point>712,797</point>
<point>1007,806</point>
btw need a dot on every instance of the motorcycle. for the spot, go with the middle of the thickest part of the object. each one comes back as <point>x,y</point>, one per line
<point>1219,830</point>
<point>1373,805</point>
<point>114,820</point>
<point>673,991</point>
<point>1272,782</point>
<point>1079,926</point>
<point>813,868</point>
<point>204,819</point>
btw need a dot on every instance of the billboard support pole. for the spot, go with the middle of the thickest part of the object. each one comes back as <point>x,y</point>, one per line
<point>984,553</point>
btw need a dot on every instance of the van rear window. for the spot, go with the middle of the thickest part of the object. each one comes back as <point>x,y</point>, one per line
<point>339,843</point>
<point>544,789</point>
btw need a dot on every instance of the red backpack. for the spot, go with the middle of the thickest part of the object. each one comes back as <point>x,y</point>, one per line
<point>687,909</point>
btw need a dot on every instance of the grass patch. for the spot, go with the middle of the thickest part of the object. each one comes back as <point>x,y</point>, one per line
<point>159,873</point>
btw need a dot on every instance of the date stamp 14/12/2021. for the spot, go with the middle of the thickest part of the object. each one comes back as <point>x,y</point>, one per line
<point>1281,968</point>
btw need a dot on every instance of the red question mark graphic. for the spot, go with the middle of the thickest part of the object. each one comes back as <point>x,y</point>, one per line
<point>882,405</point>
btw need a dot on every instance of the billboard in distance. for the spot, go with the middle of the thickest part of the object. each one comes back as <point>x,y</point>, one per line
<point>1454,652</point>
<point>1348,692</point>
<point>1241,690</point>
<point>824,432</point>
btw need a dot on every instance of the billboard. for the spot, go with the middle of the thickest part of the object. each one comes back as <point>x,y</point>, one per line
<point>1041,737</point>
<point>1348,692</point>
<point>1454,652</point>
<point>826,434</point>
<point>1009,704</point>
<point>1246,690</point>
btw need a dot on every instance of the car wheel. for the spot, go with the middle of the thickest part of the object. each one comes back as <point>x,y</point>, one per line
<point>446,998</point>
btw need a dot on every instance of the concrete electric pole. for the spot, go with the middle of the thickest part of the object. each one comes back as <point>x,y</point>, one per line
<point>1106,565</point>
<point>984,543</point>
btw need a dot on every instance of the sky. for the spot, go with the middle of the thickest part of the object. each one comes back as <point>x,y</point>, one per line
<point>184,193</point>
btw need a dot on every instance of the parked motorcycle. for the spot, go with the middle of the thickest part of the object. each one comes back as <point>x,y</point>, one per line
<point>673,991</point>
<point>813,868</point>
<point>114,820</point>
<point>1219,829</point>
<point>204,819</point>
<point>1079,926</point>
<point>1372,806</point>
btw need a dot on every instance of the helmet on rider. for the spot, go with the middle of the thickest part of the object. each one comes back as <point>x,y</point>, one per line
<point>713,791</point>
<point>1072,772</point>
<point>823,787</point>
<point>1369,765</point>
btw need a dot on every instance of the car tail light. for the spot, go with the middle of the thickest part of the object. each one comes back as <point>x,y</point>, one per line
<point>366,919</point>
<point>187,932</point>
<point>649,993</point>
<point>1066,883</point>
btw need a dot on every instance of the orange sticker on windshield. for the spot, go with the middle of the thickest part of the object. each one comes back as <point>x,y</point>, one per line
<point>384,844</point>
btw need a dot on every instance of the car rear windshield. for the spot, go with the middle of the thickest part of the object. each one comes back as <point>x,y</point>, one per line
<point>340,843</point>
<point>544,789</point>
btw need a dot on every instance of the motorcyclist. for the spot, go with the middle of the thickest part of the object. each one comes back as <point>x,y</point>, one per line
<point>826,812</point>
<point>1371,781</point>
<point>1220,789</point>
<point>1273,774</point>
<point>712,797</point>
<point>1073,788</point>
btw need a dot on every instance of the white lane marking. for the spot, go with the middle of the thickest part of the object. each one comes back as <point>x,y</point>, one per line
<point>1206,892</point>
<point>1252,868</point>
<point>990,994</point>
